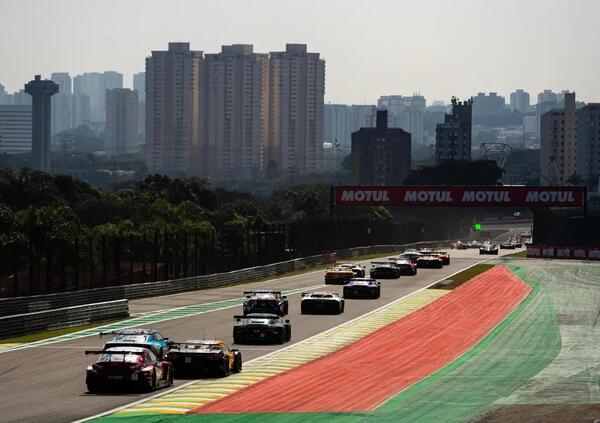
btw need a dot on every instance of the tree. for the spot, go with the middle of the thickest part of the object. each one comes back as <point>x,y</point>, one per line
<point>457,172</point>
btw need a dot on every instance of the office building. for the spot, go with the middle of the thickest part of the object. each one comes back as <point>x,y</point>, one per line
<point>40,91</point>
<point>121,121</point>
<point>380,155</point>
<point>406,113</point>
<point>173,109</point>
<point>453,137</point>
<point>558,143</point>
<point>5,98</point>
<point>62,103</point>
<point>588,143</point>
<point>519,101</point>
<point>235,112</point>
<point>21,98</point>
<point>296,98</point>
<point>139,84</point>
<point>488,104</point>
<point>81,113</point>
<point>15,129</point>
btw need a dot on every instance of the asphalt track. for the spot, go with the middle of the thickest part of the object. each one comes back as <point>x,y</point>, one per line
<point>400,353</point>
<point>47,382</point>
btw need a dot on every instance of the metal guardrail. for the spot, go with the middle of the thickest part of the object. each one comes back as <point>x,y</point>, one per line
<point>40,321</point>
<point>36,303</point>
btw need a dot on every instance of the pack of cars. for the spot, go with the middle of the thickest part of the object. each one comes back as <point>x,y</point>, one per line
<point>146,360</point>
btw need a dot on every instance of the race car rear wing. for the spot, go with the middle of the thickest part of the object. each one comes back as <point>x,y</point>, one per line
<point>98,352</point>
<point>250,293</point>
<point>266,316</point>
<point>131,332</point>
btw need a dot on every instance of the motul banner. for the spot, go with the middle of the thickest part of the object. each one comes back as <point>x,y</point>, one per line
<point>547,251</point>
<point>493,196</point>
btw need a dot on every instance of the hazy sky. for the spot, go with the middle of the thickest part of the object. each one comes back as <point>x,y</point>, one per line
<point>439,48</point>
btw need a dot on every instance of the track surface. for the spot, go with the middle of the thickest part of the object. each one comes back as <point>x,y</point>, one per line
<point>400,353</point>
<point>47,383</point>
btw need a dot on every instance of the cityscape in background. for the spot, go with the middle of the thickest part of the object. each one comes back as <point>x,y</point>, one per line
<point>243,114</point>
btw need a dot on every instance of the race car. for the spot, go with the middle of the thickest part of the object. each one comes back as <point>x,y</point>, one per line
<point>443,255</point>
<point>411,255</point>
<point>265,301</point>
<point>459,245</point>
<point>473,244</point>
<point>488,248</point>
<point>147,338</point>
<point>204,357</point>
<point>122,366</point>
<point>362,288</point>
<point>384,270</point>
<point>508,245</point>
<point>405,266</point>
<point>261,327</point>
<point>321,303</point>
<point>430,262</point>
<point>359,271</point>
<point>338,275</point>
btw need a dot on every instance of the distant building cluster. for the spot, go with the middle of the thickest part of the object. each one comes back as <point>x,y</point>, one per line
<point>236,113</point>
<point>570,143</point>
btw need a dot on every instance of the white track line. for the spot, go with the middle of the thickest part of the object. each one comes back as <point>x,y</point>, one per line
<point>185,385</point>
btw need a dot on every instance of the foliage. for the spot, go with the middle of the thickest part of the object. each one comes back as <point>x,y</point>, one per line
<point>457,172</point>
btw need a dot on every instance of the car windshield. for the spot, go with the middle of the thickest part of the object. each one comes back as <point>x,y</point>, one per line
<point>203,347</point>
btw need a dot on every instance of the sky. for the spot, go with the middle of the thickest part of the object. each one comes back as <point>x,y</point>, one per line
<point>438,48</point>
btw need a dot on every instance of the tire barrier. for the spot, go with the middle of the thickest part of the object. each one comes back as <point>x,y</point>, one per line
<point>36,303</point>
<point>40,321</point>
<point>574,253</point>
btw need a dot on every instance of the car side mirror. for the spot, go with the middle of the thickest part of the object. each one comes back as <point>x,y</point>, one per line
<point>287,321</point>
<point>284,297</point>
<point>234,350</point>
<point>166,339</point>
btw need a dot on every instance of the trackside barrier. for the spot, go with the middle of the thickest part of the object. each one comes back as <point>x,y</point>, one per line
<point>35,303</point>
<point>40,321</point>
<point>576,253</point>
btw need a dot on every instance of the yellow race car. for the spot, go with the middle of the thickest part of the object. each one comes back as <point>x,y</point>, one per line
<point>339,275</point>
<point>204,357</point>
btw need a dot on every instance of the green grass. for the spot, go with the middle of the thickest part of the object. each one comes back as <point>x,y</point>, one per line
<point>520,254</point>
<point>464,276</point>
<point>39,336</point>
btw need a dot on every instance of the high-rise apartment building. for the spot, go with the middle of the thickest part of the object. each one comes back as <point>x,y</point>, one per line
<point>139,84</point>
<point>62,103</point>
<point>94,85</point>
<point>453,137</point>
<point>173,79</point>
<point>5,98</point>
<point>519,101</point>
<point>15,129</point>
<point>380,155</point>
<point>490,104</point>
<point>341,120</point>
<point>588,142</point>
<point>235,112</point>
<point>547,96</point>
<point>81,113</point>
<point>406,113</point>
<point>296,98</point>
<point>121,121</point>
<point>558,143</point>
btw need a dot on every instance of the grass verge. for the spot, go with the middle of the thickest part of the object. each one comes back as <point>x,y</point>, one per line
<point>464,276</point>
<point>38,336</point>
<point>521,254</point>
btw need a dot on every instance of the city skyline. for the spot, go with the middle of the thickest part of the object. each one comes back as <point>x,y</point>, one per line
<point>423,34</point>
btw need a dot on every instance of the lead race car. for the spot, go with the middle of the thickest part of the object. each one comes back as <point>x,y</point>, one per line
<point>489,248</point>
<point>128,366</point>
<point>362,288</point>
<point>194,357</point>
<point>261,327</point>
<point>321,303</point>
<point>431,261</point>
<point>265,301</point>
<point>146,338</point>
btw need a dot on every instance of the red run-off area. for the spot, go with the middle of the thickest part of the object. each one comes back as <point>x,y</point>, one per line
<point>362,375</point>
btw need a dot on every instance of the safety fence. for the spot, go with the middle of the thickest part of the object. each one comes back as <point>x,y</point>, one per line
<point>40,321</point>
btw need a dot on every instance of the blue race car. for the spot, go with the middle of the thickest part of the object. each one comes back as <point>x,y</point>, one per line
<point>145,338</point>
